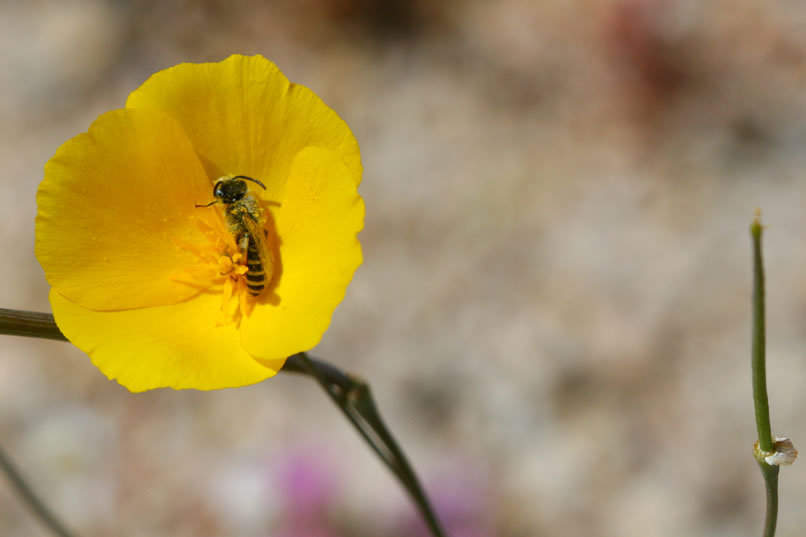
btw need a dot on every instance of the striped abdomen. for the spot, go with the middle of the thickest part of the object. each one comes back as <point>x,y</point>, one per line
<point>255,274</point>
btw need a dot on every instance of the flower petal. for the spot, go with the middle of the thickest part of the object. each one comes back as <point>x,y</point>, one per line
<point>177,346</point>
<point>317,224</point>
<point>116,220</point>
<point>245,118</point>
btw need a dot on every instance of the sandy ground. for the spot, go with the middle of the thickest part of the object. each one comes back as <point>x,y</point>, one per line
<point>554,309</point>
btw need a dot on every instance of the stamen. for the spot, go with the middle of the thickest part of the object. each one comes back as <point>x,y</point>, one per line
<point>221,267</point>
<point>226,295</point>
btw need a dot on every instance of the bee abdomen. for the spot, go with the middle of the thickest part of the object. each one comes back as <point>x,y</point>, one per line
<point>255,275</point>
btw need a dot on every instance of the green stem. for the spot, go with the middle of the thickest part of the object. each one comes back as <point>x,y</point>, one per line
<point>770,473</point>
<point>351,395</point>
<point>27,495</point>
<point>356,403</point>
<point>362,400</point>
<point>29,324</point>
<point>760,401</point>
<point>765,444</point>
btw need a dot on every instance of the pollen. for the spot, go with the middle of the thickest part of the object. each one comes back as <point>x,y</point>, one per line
<point>235,298</point>
<point>232,266</point>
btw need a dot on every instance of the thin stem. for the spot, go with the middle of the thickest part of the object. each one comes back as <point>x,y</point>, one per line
<point>28,496</point>
<point>332,374</point>
<point>402,469</point>
<point>765,444</point>
<point>29,324</point>
<point>356,403</point>
<point>337,393</point>
<point>770,473</point>
<point>760,401</point>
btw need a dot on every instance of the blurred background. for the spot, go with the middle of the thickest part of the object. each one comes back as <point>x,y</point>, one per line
<point>554,308</point>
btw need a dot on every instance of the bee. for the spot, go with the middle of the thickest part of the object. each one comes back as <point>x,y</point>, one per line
<point>245,221</point>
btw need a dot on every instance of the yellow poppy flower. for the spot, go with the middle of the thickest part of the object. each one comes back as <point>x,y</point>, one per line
<point>154,287</point>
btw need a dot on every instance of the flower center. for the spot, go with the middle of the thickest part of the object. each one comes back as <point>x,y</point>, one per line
<point>235,301</point>
<point>240,259</point>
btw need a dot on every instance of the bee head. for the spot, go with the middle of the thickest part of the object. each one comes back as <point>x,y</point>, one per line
<point>230,190</point>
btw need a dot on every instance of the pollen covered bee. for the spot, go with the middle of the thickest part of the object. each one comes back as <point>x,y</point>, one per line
<point>246,224</point>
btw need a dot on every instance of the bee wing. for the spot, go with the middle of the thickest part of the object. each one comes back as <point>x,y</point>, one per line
<point>258,235</point>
